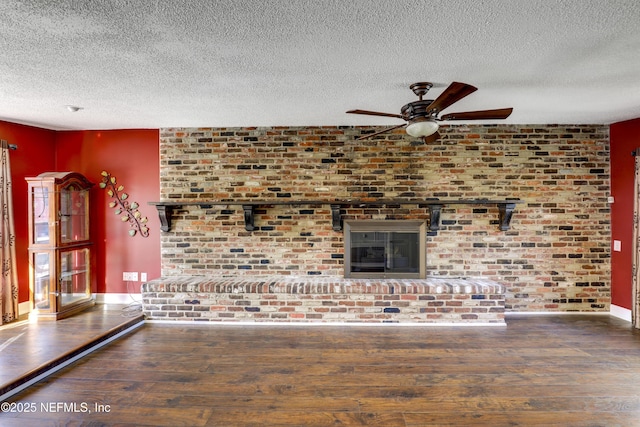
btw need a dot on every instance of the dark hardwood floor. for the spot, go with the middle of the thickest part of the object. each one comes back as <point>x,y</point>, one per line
<point>581,370</point>
<point>30,350</point>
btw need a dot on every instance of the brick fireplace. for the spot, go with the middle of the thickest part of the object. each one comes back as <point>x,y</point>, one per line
<point>553,256</point>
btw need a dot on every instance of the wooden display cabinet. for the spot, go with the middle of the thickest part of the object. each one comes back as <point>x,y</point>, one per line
<point>59,245</point>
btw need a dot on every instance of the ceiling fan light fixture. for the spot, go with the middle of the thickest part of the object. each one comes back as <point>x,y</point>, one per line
<point>422,127</point>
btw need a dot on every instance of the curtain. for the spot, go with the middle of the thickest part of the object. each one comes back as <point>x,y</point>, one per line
<point>635,303</point>
<point>9,283</point>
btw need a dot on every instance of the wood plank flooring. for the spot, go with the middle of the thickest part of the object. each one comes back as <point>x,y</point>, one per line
<point>30,349</point>
<point>581,370</point>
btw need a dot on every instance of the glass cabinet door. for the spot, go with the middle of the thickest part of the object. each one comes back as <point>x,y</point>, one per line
<point>74,276</point>
<point>44,296</point>
<point>40,215</point>
<point>74,226</point>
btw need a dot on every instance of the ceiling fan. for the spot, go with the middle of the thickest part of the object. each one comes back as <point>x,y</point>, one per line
<point>422,116</point>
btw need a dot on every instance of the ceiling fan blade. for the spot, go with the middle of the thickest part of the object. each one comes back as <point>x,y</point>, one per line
<point>374,113</point>
<point>369,135</point>
<point>431,138</point>
<point>501,113</point>
<point>454,93</point>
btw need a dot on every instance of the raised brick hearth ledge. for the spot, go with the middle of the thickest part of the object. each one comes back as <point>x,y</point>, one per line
<point>323,299</point>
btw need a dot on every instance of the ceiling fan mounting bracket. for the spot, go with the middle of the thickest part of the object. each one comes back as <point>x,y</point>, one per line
<point>421,88</point>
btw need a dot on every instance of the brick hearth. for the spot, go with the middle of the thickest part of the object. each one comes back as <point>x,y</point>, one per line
<point>323,299</point>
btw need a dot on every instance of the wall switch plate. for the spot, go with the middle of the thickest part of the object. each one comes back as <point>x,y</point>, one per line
<point>617,245</point>
<point>143,277</point>
<point>610,199</point>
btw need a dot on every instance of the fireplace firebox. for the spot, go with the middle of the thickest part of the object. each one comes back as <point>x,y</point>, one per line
<point>385,249</point>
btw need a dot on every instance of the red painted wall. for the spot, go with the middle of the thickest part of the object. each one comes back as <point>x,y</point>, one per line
<point>132,156</point>
<point>35,154</point>
<point>625,137</point>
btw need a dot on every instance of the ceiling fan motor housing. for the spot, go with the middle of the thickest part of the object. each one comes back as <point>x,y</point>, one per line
<point>417,109</point>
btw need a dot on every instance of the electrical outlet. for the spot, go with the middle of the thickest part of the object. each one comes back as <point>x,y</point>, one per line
<point>143,277</point>
<point>129,276</point>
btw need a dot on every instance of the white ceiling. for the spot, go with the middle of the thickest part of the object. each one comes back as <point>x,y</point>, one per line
<point>166,63</point>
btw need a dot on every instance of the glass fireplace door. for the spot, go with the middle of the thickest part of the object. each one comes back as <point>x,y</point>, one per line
<point>385,249</point>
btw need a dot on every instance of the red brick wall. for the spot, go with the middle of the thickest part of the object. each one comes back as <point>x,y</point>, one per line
<point>555,257</point>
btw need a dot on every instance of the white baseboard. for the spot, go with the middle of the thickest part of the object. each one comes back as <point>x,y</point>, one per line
<point>24,308</point>
<point>117,298</point>
<point>507,314</point>
<point>620,312</point>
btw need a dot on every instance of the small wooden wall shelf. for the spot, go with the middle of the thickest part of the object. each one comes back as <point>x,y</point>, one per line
<point>505,208</point>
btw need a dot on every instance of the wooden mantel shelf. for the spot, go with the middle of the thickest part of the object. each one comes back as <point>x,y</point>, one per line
<point>505,208</point>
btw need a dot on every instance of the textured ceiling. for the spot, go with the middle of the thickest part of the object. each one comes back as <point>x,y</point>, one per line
<point>151,64</point>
